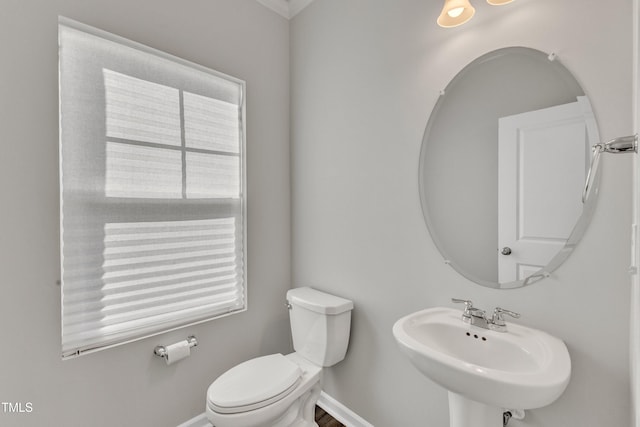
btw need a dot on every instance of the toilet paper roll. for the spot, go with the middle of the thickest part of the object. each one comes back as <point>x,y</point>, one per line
<point>177,351</point>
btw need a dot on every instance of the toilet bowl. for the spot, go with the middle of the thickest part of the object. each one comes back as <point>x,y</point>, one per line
<point>281,391</point>
<point>257,403</point>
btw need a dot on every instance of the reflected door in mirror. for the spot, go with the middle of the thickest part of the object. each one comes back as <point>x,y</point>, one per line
<point>542,164</point>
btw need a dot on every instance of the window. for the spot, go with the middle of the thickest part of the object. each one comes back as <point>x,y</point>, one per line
<point>152,191</point>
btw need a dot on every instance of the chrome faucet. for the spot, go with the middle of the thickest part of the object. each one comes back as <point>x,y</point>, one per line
<point>477,317</point>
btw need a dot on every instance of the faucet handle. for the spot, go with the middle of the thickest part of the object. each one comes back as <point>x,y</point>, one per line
<point>497,318</point>
<point>469,309</point>
<point>468,304</point>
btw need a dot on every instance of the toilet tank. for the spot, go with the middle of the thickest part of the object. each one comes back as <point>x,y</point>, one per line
<point>320,325</point>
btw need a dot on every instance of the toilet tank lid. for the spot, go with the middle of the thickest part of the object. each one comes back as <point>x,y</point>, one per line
<point>318,301</point>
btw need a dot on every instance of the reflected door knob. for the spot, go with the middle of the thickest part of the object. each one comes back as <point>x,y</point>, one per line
<point>506,250</point>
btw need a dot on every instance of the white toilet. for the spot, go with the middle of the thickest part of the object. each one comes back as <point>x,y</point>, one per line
<point>282,391</point>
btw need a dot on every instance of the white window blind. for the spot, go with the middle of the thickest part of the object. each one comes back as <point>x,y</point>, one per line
<point>152,191</point>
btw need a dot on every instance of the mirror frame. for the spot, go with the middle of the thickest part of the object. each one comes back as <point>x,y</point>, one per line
<point>589,203</point>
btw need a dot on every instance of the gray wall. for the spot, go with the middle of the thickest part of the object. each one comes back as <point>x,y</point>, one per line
<point>128,386</point>
<point>365,76</point>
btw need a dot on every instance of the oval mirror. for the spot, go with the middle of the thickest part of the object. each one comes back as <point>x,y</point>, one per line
<point>503,165</point>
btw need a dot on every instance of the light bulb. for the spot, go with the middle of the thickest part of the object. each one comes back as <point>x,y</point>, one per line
<point>454,13</point>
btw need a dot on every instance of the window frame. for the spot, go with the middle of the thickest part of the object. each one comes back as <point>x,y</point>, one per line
<point>105,203</point>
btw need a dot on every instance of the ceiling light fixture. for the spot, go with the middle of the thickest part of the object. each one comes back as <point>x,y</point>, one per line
<point>455,12</point>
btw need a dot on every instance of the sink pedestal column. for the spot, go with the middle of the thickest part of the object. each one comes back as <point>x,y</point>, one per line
<point>465,412</point>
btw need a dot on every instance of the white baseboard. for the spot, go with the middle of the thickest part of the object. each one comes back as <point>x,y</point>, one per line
<point>340,412</point>
<point>198,421</point>
<point>334,408</point>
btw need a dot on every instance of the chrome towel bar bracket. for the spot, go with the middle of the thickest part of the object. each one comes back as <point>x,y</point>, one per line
<point>623,144</point>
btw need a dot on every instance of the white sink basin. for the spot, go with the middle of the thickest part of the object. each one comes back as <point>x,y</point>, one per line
<point>522,368</point>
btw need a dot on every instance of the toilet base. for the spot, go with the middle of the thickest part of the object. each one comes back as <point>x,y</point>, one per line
<point>302,413</point>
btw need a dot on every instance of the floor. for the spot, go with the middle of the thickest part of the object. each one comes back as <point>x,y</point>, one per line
<point>325,420</point>
<point>322,418</point>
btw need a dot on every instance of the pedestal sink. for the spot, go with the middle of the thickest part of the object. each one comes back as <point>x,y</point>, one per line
<point>485,371</point>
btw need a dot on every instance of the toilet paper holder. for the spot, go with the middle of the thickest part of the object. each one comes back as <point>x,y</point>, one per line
<point>161,351</point>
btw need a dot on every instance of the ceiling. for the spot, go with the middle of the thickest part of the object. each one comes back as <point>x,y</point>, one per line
<point>286,8</point>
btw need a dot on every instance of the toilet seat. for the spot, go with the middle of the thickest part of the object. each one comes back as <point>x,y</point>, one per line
<point>253,384</point>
